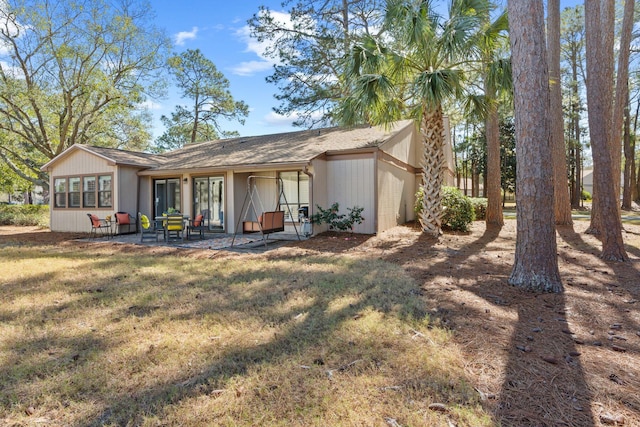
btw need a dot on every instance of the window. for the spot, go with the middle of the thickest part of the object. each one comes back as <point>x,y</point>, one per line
<point>60,193</point>
<point>296,192</point>
<point>83,192</point>
<point>89,192</point>
<point>74,192</point>
<point>104,191</point>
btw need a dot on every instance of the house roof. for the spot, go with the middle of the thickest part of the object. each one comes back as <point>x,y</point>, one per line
<point>277,149</point>
<point>112,155</point>
<point>264,150</point>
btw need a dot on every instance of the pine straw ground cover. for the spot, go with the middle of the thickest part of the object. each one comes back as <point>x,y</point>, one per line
<point>391,330</point>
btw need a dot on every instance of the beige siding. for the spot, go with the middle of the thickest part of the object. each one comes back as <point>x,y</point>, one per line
<point>351,182</point>
<point>79,164</point>
<point>396,196</point>
<point>450,173</point>
<point>127,199</point>
<point>319,191</point>
<point>402,146</point>
<point>146,195</point>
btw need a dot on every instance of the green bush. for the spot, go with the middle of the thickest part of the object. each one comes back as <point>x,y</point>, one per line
<point>458,209</point>
<point>338,221</point>
<point>24,215</point>
<point>479,207</point>
<point>458,212</point>
<point>586,195</point>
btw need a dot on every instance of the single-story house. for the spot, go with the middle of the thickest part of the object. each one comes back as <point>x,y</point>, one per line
<point>372,167</point>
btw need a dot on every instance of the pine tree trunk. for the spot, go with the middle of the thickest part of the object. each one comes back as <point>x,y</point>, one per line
<point>622,91</point>
<point>432,129</point>
<point>536,261</point>
<point>492,186</point>
<point>562,204</point>
<point>605,211</point>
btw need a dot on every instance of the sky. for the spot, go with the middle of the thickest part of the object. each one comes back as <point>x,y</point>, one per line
<point>219,29</point>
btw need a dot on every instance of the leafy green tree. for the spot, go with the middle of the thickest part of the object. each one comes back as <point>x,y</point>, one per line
<point>409,72</point>
<point>71,72</point>
<point>208,90</point>
<point>309,48</point>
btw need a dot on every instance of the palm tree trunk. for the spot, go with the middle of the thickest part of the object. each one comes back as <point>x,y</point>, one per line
<point>432,130</point>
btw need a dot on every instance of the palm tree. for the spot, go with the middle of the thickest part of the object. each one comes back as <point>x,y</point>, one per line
<point>409,71</point>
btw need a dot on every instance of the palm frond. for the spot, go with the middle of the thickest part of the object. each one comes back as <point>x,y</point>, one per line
<point>433,87</point>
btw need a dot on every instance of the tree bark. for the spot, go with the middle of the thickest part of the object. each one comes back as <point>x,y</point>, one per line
<point>492,185</point>
<point>536,259</point>
<point>622,91</point>
<point>432,129</point>
<point>562,204</point>
<point>605,211</point>
<point>629,164</point>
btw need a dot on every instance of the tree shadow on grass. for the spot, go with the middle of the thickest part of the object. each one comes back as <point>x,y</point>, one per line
<point>303,311</point>
<point>518,343</point>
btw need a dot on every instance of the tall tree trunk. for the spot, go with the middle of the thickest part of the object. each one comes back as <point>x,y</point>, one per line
<point>536,260</point>
<point>622,91</point>
<point>432,129</point>
<point>492,185</point>
<point>605,211</point>
<point>575,121</point>
<point>629,164</point>
<point>562,204</point>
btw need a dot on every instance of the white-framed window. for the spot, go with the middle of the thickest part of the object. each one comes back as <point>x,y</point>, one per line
<point>296,191</point>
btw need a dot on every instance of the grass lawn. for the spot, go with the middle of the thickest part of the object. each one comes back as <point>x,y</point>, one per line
<point>91,335</point>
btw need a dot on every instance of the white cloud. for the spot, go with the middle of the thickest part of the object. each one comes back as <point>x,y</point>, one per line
<point>249,68</point>
<point>275,119</point>
<point>150,105</point>
<point>183,36</point>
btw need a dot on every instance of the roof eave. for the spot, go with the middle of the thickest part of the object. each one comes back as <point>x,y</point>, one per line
<point>225,168</point>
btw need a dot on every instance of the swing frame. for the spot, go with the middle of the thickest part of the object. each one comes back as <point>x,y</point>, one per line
<point>268,221</point>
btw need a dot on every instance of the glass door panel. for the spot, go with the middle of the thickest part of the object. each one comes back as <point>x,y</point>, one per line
<point>208,199</point>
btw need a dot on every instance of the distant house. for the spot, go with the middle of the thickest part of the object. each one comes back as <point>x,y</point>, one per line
<point>371,167</point>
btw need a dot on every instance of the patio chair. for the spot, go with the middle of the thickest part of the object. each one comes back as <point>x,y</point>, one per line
<point>125,221</point>
<point>174,228</point>
<point>148,228</point>
<point>98,225</point>
<point>198,224</point>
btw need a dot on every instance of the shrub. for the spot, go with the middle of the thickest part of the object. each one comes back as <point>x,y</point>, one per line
<point>479,207</point>
<point>458,211</point>
<point>24,215</point>
<point>586,195</point>
<point>338,221</point>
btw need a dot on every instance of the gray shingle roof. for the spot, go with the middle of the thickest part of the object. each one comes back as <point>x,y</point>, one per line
<point>292,147</point>
<point>134,158</point>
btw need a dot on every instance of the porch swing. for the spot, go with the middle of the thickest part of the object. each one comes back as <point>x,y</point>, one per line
<point>267,221</point>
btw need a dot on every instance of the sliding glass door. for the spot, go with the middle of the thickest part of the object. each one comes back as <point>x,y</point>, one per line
<point>167,195</point>
<point>208,199</point>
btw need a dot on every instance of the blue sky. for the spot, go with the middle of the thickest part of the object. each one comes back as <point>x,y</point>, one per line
<point>219,29</point>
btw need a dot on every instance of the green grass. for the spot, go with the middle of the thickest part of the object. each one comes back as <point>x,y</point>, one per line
<point>98,337</point>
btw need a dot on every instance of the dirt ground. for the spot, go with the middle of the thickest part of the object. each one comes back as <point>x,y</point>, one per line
<point>570,359</point>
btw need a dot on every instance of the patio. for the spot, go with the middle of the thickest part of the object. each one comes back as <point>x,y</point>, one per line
<point>214,241</point>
